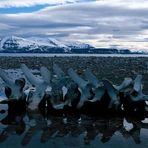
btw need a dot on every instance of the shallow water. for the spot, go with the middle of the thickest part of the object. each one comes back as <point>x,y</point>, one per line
<point>34,130</point>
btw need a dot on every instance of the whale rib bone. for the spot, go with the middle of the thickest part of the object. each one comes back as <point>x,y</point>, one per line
<point>13,88</point>
<point>84,87</point>
<point>58,71</point>
<point>112,92</point>
<point>91,78</point>
<point>138,83</point>
<point>46,75</point>
<point>125,86</point>
<point>40,86</point>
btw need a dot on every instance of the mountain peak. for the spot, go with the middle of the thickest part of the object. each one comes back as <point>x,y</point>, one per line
<point>37,44</point>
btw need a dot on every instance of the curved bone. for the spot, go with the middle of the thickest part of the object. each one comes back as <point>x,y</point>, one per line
<point>13,88</point>
<point>137,94</point>
<point>9,81</point>
<point>46,75</point>
<point>59,84</point>
<point>138,83</point>
<point>139,97</point>
<point>85,95</point>
<point>98,89</point>
<point>112,92</point>
<point>58,71</point>
<point>84,87</point>
<point>125,86</point>
<point>72,93</point>
<point>99,92</point>
<point>77,79</point>
<point>39,84</point>
<point>91,78</point>
<point>30,77</point>
<point>60,105</point>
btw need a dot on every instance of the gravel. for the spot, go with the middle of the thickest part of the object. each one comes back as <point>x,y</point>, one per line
<point>113,68</point>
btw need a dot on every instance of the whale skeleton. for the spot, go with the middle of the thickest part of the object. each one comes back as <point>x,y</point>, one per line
<point>60,87</point>
<point>126,86</point>
<point>40,85</point>
<point>112,92</point>
<point>90,89</point>
<point>13,88</point>
<point>97,87</point>
<point>136,94</point>
<point>84,87</point>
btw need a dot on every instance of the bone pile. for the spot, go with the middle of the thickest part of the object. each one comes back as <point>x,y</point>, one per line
<point>63,89</point>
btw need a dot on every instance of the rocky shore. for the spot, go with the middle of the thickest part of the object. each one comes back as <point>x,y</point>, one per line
<point>113,68</point>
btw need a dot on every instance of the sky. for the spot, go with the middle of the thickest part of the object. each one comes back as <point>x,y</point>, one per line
<point>101,23</point>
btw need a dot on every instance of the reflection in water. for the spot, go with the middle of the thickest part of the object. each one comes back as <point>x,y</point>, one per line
<point>29,124</point>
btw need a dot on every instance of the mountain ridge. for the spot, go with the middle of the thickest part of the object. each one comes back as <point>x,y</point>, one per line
<point>34,44</point>
<point>14,44</point>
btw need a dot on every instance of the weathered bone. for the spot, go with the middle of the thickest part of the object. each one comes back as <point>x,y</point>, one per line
<point>72,93</point>
<point>139,97</point>
<point>125,86</point>
<point>98,89</point>
<point>30,77</point>
<point>112,92</point>
<point>136,94</point>
<point>77,79</point>
<point>58,85</point>
<point>138,83</point>
<point>85,95</point>
<point>46,75</point>
<point>91,78</point>
<point>75,89</point>
<point>84,87</point>
<point>39,84</point>
<point>13,87</point>
<point>58,71</point>
<point>99,92</point>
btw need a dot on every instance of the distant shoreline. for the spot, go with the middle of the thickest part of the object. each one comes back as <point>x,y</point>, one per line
<point>68,55</point>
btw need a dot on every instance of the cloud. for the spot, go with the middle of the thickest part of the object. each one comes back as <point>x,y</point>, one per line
<point>101,23</point>
<point>28,3</point>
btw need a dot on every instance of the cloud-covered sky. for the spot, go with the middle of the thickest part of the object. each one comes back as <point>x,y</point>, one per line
<point>102,23</point>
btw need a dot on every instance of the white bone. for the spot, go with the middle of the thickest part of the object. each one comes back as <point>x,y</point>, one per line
<point>112,92</point>
<point>61,105</point>
<point>138,83</point>
<point>125,86</point>
<point>138,89</point>
<point>9,81</point>
<point>91,78</point>
<point>40,87</point>
<point>84,87</point>
<point>30,77</point>
<point>99,92</point>
<point>16,92</point>
<point>46,75</point>
<point>85,95</point>
<point>72,94</point>
<point>58,71</point>
<point>139,97</point>
<point>77,79</point>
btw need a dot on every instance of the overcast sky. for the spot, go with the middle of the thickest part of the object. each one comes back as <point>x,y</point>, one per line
<point>102,23</point>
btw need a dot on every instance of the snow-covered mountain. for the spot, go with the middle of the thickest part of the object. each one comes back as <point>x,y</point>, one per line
<point>78,45</point>
<point>15,44</point>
